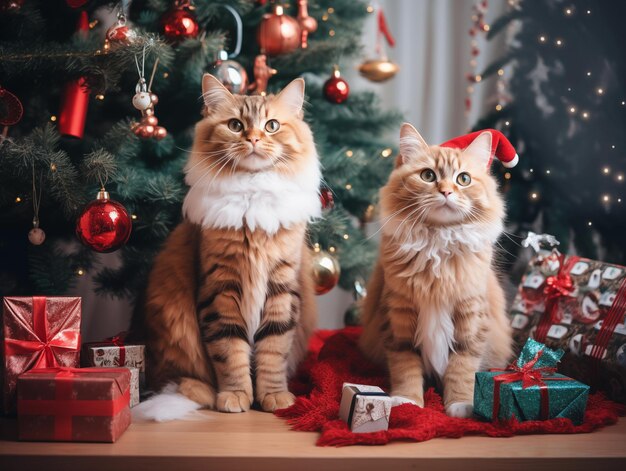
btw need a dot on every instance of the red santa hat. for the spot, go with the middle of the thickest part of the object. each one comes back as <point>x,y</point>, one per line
<point>501,148</point>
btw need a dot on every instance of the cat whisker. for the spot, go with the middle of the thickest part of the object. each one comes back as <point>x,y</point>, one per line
<point>389,218</point>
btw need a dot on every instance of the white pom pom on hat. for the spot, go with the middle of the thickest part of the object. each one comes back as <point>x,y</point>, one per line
<point>501,148</point>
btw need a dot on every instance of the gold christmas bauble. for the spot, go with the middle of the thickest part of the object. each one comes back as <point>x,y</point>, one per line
<point>325,271</point>
<point>378,70</point>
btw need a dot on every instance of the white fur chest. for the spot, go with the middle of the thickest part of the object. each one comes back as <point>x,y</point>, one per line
<point>264,200</point>
<point>434,337</point>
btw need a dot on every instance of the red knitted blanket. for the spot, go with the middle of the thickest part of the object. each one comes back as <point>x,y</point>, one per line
<point>335,359</point>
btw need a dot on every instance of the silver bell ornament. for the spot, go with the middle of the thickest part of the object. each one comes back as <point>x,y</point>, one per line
<point>230,73</point>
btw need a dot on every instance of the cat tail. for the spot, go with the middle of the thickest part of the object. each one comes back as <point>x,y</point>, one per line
<point>176,402</point>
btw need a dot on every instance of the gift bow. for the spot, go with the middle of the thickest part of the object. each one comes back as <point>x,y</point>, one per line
<point>117,341</point>
<point>531,372</point>
<point>45,345</point>
<point>528,374</point>
<point>557,286</point>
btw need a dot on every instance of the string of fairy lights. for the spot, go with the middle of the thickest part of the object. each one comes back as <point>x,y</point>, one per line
<point>479,25</point>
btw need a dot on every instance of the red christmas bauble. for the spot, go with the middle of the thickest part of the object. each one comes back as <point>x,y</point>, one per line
<point>336,89</point>
<point>278,33</point>
<point>11,109</point>
<point>326,196</point>
<point>179,24</point>
<point>104,224</point>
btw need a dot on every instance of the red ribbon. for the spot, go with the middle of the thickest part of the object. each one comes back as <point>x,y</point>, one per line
<point>44,347</point>
<point>64,408</point>
<point>557,286</point>
<point>612,318</point>
<point>384,29</point>
<point>529,376</point>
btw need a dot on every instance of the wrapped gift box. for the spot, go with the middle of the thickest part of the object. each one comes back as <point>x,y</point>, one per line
<point>38,332</point>
<point>578,305</point>
<point>530,389</point>
<point>134,386</point>
<point>365,408</point>
<point>73,404</point>
<point>115,352</point>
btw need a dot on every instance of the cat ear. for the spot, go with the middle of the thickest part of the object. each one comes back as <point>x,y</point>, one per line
<point>412,145</point>
<point>292,96</point>
<point>480,149</point>
<point>213,92</point>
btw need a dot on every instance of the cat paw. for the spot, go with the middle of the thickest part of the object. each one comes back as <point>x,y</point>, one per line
<point>280,400</point>
<point>399,398</point>
<point>461,410</point>
<point>233,401</point>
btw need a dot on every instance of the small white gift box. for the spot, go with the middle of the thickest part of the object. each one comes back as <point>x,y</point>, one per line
<point>365,408</point>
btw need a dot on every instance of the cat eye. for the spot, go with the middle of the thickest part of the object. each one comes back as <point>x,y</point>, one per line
<point>464,179</point>
<point>272,125</point>
<point>428,175</point>
<point>235,125</point>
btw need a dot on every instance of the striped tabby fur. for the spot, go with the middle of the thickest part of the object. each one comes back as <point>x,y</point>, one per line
<point>230,305</point>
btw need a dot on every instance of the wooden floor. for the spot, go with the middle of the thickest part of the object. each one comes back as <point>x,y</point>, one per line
<point>259,441</point>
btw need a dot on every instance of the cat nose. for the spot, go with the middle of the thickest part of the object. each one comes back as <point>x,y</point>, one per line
<point>253,139</point>
<point>445,193</point>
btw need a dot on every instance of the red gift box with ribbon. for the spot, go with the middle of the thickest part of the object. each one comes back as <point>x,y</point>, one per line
<point>73,404</point>
<point>578,305</point>
<point>38,332</point>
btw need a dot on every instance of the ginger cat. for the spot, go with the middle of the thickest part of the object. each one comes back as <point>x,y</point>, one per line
<point>434,303</point>
<point>229,301</point>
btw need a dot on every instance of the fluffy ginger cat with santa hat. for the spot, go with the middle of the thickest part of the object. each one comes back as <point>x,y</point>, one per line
<point>434,304</point>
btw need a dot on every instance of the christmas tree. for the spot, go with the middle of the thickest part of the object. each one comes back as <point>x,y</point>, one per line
<point>566,71</point>
<point>51,168</point>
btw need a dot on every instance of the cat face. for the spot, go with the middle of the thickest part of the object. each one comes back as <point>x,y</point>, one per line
<point>250,133</point>
<point>440,186</point>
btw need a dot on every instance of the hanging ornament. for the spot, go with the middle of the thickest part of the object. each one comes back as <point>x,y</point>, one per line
<point>278,33</point>
<point>325,271</point>
<point>228,71</point>
<point>144,100</point>
<point>380,68</point>
<point>231,73</point>
<point>327,198</point>
<point>104,224</point>
<point>336,89</point>
<point>36,235</point>
<point>121,33</point>
<point>352,316</point>
<point>180,22</point>
<point>262,74</point>
<point>11,111</point>
<point>307,23</point>
<point>11,5</point>
<point>75,100</point>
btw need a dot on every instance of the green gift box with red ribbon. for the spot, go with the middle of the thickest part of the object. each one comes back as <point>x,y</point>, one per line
<point>37,332</point>
<point>530,389</point>
<point>73,404</point>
